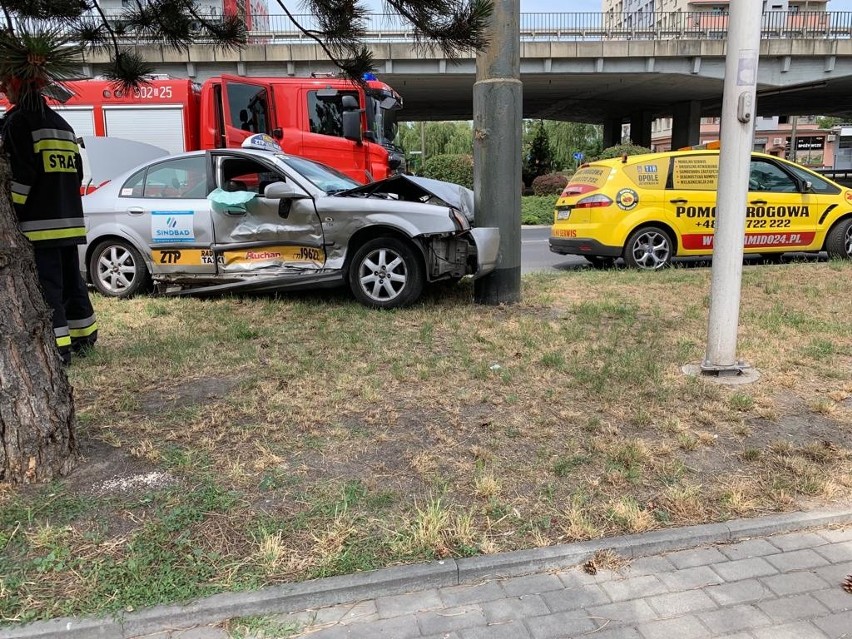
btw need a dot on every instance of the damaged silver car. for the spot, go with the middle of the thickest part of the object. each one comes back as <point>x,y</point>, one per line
<point>258,220</point>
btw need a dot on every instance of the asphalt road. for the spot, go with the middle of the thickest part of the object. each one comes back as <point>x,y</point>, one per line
<point>536,255</point>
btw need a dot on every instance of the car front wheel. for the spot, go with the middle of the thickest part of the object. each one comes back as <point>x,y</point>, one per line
<point>838,244</point>
<point>386,272</point>
<point>650,248</point>
<point>117,269</point>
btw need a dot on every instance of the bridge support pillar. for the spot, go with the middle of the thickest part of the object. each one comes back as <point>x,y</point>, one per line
<point>686,129</point>
<point>611,132</point>
<point>640,128</point>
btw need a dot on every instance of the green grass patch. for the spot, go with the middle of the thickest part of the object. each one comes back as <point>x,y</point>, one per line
<point>304,435</point>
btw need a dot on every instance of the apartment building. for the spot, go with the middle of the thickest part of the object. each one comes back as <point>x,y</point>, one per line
<point>639,9</point>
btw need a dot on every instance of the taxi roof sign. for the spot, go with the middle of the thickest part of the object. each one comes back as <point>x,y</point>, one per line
<point>713,145</point>
<point>261,141</point>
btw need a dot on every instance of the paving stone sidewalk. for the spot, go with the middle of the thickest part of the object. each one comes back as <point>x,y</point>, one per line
<point>777,587</point>
<point>771,577</point>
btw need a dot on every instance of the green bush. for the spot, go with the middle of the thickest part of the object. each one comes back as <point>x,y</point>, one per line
<point>620,149</point>
<point>538,209</point>
<point>450,168</point>
<point>549,184</point>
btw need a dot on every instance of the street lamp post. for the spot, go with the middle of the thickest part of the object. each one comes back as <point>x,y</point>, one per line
<point>738,108</point>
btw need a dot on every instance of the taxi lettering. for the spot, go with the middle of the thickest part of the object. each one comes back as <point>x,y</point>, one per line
<point>169,257</point>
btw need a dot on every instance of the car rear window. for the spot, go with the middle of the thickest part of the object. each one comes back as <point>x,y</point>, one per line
<point>587,178</point>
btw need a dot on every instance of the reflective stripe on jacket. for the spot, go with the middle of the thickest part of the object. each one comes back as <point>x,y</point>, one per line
<point>46,175</point>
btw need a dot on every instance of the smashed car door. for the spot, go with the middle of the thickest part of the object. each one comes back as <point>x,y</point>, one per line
<point>262,222</point>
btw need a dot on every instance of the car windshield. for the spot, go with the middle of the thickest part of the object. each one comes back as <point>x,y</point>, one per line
<point>322,176</point>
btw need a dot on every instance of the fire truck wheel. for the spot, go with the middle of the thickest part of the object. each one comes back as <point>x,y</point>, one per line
<point>386,272</point>
<point>117,269</point>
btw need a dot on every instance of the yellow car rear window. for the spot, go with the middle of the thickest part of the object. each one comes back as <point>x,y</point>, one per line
<point>591,175</point>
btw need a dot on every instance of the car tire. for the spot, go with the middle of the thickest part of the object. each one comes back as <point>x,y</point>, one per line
<point>117,269</point>
<point>772,258</point>
<point>649,248</point>
<point>838,243</point>
<point>600,262</point>
<point>386,272</point>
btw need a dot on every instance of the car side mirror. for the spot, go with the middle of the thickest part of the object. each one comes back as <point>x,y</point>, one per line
<point>282,191</point>
<point>809,186</point>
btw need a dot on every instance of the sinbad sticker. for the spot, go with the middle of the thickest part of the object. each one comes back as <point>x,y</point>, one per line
<point>172,226</point>
<point>627,199</point>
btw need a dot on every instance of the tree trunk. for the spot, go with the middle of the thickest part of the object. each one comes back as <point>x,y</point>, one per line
<point>37,440</point>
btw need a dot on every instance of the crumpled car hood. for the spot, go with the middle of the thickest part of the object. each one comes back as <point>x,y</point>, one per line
<point>412,188</point>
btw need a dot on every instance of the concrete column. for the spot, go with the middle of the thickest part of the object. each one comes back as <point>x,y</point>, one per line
<point>686,129</point>
<point>611,132</point>
<point>497,150</point>
<point>640,128</point>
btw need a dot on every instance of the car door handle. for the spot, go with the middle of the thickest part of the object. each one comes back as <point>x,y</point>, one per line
<point>758,202</point>
<point>680,200</point>
<point>135,210</point>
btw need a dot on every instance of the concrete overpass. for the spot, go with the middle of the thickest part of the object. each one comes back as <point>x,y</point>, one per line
<point>597,75</point>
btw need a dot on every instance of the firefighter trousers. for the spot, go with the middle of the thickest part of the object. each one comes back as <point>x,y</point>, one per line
<point>65,292</point>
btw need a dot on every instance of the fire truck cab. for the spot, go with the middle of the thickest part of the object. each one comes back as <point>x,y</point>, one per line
<point>329,119</point>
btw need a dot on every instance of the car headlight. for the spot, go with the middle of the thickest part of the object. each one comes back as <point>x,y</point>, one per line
<point>459,220</point>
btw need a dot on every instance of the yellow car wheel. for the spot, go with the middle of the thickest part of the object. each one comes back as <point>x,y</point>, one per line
<point>649,248</point>
<point>838,244</point>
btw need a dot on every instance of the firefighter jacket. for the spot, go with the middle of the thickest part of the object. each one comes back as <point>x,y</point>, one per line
<point>46,174</point>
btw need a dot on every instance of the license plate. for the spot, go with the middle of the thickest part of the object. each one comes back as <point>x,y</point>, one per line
<point>563,214</point>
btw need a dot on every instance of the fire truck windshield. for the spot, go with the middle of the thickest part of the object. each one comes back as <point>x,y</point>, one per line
<point>382,107</point>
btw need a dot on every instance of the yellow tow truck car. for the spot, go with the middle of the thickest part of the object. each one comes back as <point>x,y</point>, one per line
<point>650,208</point>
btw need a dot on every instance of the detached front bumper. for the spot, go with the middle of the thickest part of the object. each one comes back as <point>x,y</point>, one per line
<point>487,240</point>
<point>583,246</point>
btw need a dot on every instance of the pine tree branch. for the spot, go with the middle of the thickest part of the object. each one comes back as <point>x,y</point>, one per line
<point>314,35</point>
<point>107,26</point>
<point>9,24</point>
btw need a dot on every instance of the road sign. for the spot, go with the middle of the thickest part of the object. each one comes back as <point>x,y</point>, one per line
<point>578,155</point>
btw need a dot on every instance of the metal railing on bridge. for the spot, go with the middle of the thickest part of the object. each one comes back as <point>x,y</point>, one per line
<point>695,25</point>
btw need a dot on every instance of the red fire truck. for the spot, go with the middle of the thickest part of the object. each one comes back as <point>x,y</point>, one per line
<point>328,119</point>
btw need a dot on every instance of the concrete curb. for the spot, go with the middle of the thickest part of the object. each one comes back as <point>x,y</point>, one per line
<point>401,579</point>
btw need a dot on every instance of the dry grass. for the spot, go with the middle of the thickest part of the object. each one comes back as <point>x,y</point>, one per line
<point>309,436</point>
